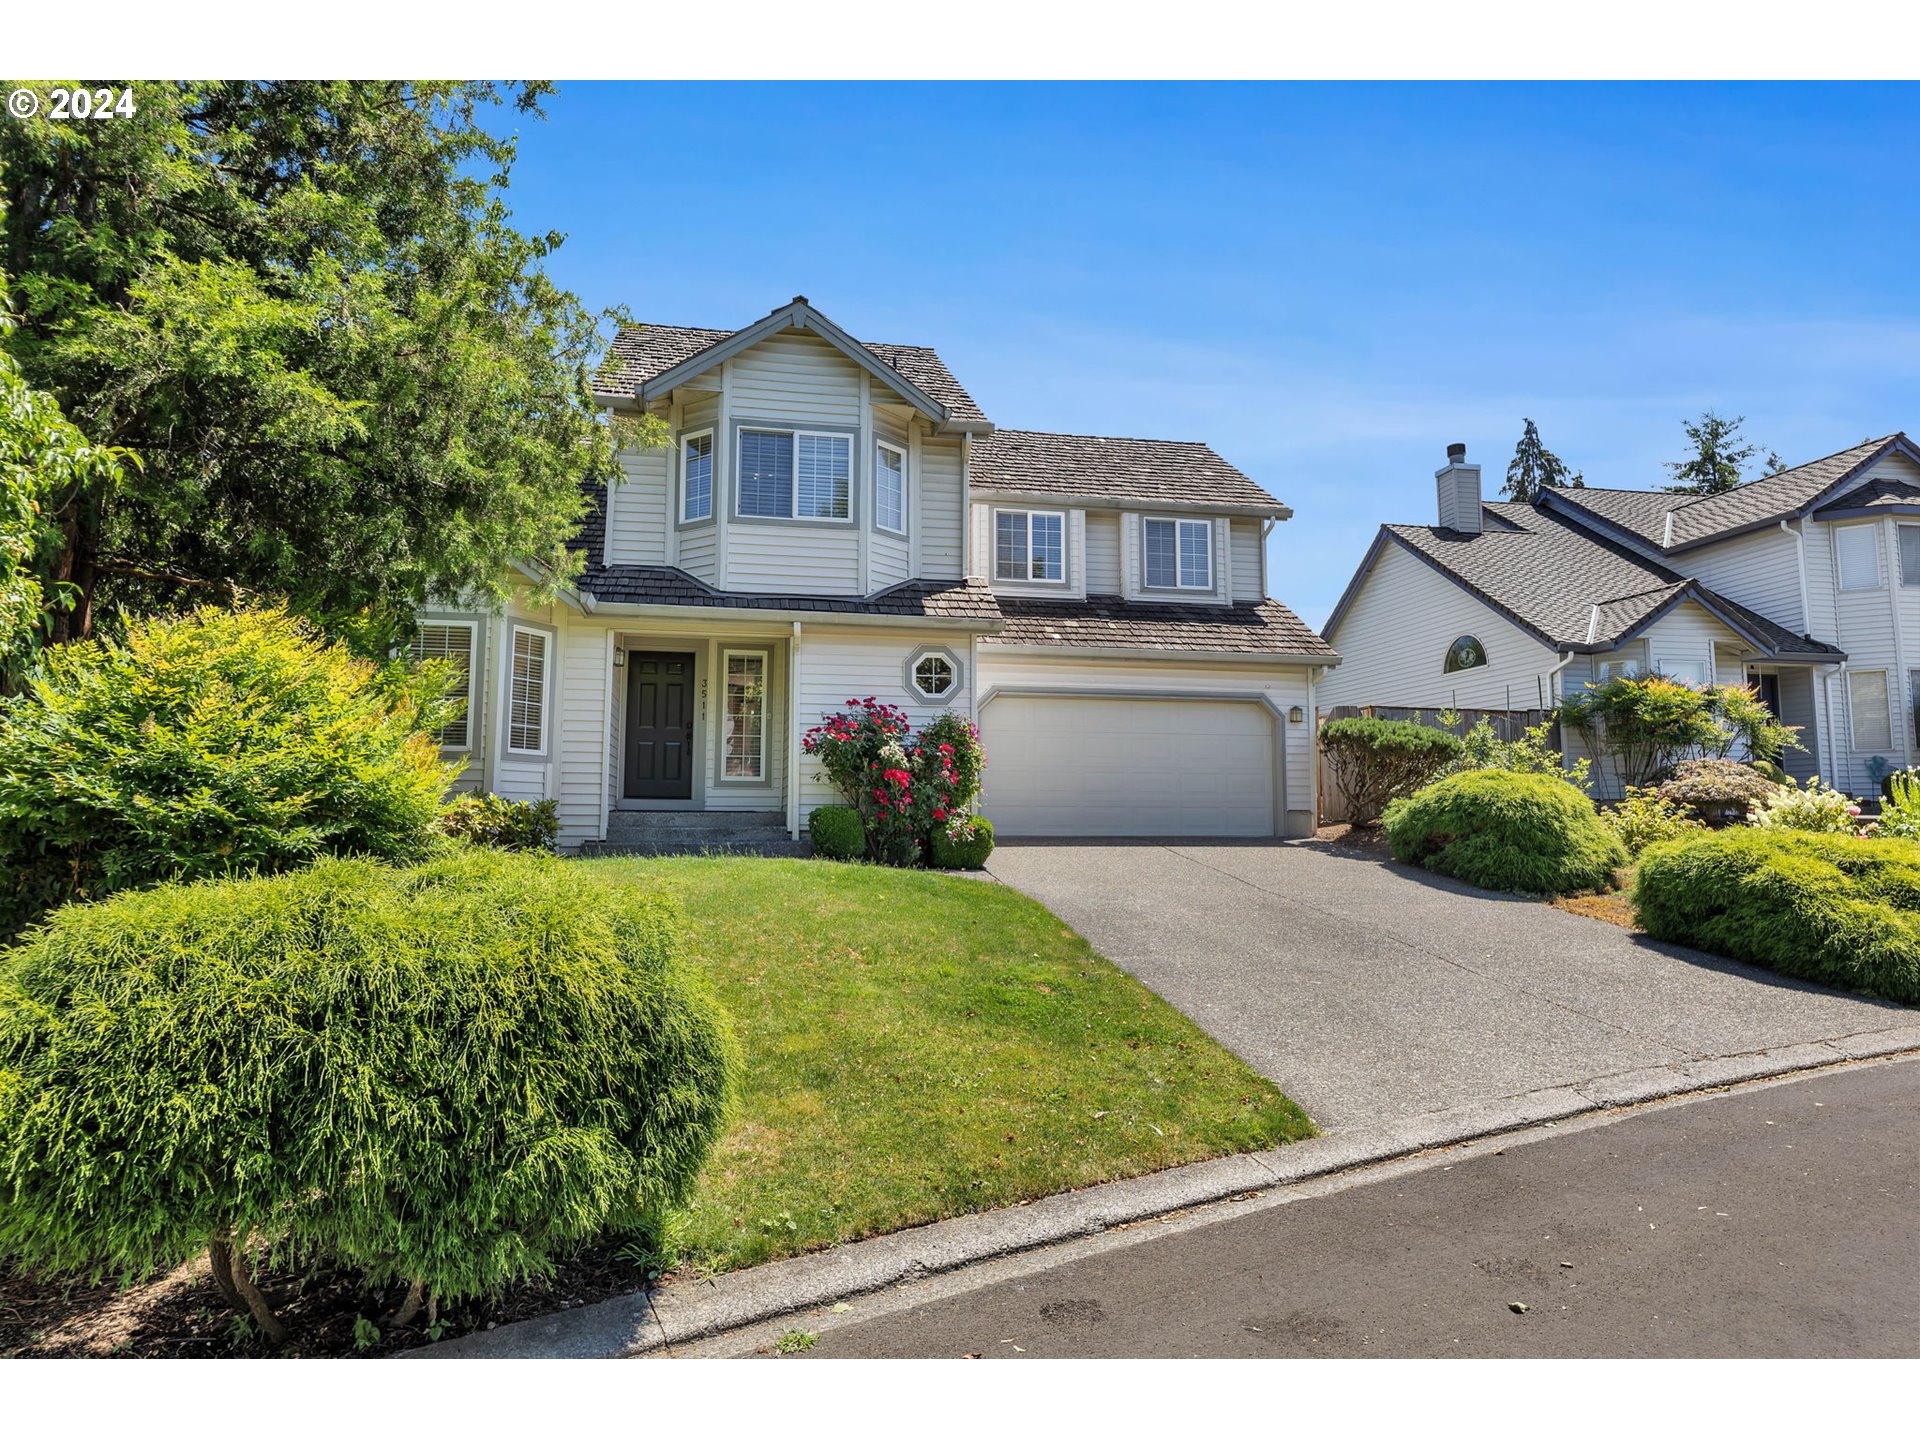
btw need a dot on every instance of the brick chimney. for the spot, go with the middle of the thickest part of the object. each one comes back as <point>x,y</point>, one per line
<point>1459,487</point>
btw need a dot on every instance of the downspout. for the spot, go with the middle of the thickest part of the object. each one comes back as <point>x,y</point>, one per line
<point>793,734</point>
<point>1827,739</point>
<point>1905,677</point>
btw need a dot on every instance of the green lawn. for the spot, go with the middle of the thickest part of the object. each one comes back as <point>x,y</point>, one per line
<point>918,1046</point>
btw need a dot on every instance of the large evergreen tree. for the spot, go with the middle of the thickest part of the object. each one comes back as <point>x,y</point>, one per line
<point>302,304</point>
<point>1719,457</point>
<point>1535,468</point>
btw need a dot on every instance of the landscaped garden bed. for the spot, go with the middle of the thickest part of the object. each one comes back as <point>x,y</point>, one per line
<point>914,1046</point>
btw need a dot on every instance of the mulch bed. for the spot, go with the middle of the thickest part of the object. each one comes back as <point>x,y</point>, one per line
<point>1368,840</point>
<point>182,1316</point>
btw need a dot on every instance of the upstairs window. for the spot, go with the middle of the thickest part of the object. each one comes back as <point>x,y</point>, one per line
<point>1857,552</point>
<point>696,476</point>
<point>1910,554</point>
<point>1029,545</point>
<point>1179,554</point>
<point>1467,653</point>
<point>795,475</point>
<point>452,641</point>
<point>527,693</point>
<point>890,488</point>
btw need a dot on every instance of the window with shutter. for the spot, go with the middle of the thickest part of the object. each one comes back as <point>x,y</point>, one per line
<point>1867,703</point>
<point>527,693</point>
<point>451,640</point>
<point>1857,552</point>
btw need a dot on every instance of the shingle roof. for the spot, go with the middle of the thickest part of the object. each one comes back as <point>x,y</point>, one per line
<point>1107,620</point>
<point>1108,467</point>
<point>640,352</point>
<point>1879,495</point>
<point>1700,519</point>
<point>665,585</point>
<point>1571,587</point>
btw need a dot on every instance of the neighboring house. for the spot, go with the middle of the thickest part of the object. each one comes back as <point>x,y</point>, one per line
<point>1805,584</point>
<point>839,519</point>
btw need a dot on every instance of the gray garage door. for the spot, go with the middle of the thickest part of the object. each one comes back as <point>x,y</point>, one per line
<point>1087,765</point>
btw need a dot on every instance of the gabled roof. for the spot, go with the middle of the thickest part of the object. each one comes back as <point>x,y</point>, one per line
<point>1108,622</point>
<point>1119,471</point>
<point>1572,589</point>
<point>649,360</point>
<point>1877,497</point>
<point>1672,523</point>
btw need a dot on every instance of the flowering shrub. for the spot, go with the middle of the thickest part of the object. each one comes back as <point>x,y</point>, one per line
<point>958,739</point>
<point>848,745</point>
<point>906,789</point>
<point>1644,818</point>
<point>1719,792</point>
<point>890,809</point>
<point>1816,808</point>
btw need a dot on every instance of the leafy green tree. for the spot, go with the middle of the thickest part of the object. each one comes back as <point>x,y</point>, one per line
<point>43,459</point>
<point>303,304</point>
<point>1535,468</point>
<point>1719,458</point>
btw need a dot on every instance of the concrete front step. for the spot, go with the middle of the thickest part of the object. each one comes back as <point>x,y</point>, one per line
<point>692,822</point>
<point>781,848</point>
<point>696,832</point>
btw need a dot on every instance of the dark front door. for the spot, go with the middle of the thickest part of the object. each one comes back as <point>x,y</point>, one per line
<point>1769,688</point>
<point>659,726</point>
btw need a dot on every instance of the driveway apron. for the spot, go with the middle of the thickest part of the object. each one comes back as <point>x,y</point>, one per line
<point>1372,993</point>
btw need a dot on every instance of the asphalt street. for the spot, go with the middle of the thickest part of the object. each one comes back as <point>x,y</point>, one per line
<point>1773,1220</point>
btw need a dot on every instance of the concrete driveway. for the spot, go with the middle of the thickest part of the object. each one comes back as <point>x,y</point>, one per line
<point>1373,993</point>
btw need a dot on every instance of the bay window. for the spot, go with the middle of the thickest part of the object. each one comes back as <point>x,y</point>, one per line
<point>795,475</point>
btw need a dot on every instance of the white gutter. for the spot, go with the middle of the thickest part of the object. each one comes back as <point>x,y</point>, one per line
<point>721,613</point>
<point>1147,652</point>
<point>793,735</point>
<point>1553,675</point>
<point>1058,499</point>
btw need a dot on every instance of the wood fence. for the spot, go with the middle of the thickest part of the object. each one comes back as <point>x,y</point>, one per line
<point>1508,724</point>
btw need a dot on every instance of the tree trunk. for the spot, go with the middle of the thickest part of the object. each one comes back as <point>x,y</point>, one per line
<point>220,1261</point>
<point>410,1307</point>
<point>256,1303</point>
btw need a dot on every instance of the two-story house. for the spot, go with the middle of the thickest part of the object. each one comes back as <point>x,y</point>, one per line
<point>837,519</point>
<point>1804,584</point>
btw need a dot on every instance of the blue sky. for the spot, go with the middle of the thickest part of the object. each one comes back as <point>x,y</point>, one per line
<point>1326,282</point>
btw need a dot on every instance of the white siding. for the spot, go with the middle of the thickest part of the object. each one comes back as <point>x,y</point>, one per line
<point>582,715</point>
<point>940,506</point>
<point>835,664</point>
<point>889,561</point>
<point>1285,685</point>
<point>793,559</point>
<point>696,553</point>
<point>1246,561</point>
<point>1103,552</point>
<point>1760,570</point>
<point>795,376</point>
<point>638,509</point>
<point>1394,638</point>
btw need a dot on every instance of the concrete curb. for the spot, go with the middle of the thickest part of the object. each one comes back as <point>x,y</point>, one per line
<point>639,1323</point>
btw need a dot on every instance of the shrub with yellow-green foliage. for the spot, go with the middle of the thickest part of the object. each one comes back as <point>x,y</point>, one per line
<point>442,1075</point>
<point>1506,831</point>
<point>212,743</point>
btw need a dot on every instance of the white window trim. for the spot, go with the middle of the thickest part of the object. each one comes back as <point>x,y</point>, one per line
<point>1028,579</point>
<point>1898,553</point>
<point>1872,530</point>
<point>793,493</point>
<point>473,639</point>
<point>713,476</point>
<point>1853,712</point>
<point>952,661</point>
<point>546,691</point>
<point>766,714</point>
<point>1179,568</point>
<point>899,450</point>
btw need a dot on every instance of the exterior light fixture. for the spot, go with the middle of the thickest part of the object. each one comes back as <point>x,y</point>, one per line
<point>1296,715</point>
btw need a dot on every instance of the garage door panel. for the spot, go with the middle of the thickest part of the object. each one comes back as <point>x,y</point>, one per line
<point>1072,765</point>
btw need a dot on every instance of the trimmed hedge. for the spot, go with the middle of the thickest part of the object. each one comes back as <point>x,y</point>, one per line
<point>837,833</point>
<point>1375,761</point>
<point>1503,830</point>
<point>443,1075</point>
<point>1828,908</point>
<point>966,854</point>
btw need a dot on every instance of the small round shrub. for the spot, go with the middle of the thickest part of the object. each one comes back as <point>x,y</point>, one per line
<point>1766,769</point>
<point>1832,909</point>
<point>1506,831</point>
<point>964,845</point>
<point>501,824</point>
<point>1718,792</point>
<point>210,744</point>
<point>444,1075</point>
<point>837,833</point>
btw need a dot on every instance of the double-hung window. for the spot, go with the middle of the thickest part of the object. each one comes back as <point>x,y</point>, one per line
<point>696,476</point>
<point>795,475</point>
<point>451,641</point>
<point>1857,552</point>
<point>744,751</point>
<point>1179,554</point>
<point>1909,554</point>
<point>890,487</point>
<point>1029,545</point>
<point>1869,709</point>
<point>527,693</point>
